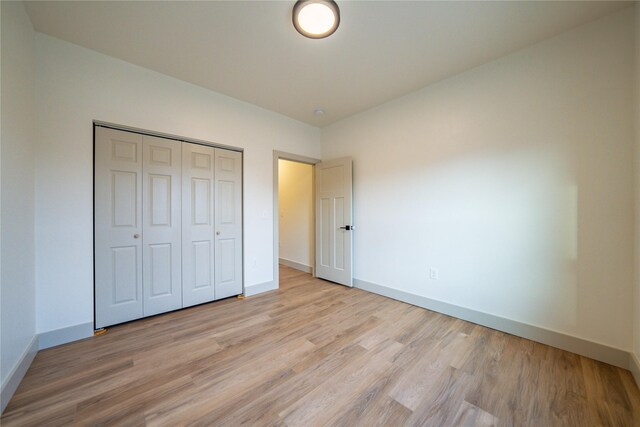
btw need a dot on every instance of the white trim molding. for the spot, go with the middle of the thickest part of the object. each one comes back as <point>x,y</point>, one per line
<point>296,265</point>
<point>65,335</point>
<point>16,375</point>
<point>611,355</point>
<point>634,367</point>
<point>260,288</point>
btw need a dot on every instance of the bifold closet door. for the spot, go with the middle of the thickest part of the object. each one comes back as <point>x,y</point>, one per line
<point>168,225</point>
<point>198,260</point>
<point>228,223</point>
<point>161,225</point>
<point>118,226</point>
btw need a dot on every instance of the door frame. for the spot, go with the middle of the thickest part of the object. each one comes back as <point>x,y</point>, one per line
<point>281,155</point>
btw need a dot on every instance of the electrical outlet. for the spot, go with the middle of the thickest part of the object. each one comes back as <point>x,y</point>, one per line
<point>255,263</point>
<point>433,273</point>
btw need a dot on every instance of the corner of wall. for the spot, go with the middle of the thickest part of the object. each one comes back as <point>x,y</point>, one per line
<point>18,372</point>
<point>19,341</point>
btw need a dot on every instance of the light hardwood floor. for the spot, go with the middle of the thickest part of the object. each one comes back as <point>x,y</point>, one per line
<point>314,354</point>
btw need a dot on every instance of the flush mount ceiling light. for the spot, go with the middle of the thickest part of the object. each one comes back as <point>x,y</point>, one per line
<point>316,19</point>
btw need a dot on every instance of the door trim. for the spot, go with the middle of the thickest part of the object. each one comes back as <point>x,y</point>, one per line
<point>164,135</point>
<point>281,155</point>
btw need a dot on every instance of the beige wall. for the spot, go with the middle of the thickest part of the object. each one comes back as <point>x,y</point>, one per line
<point>514,180</point>
<point>295,206</point>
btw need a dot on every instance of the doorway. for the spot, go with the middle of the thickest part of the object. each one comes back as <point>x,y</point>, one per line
<point>293,213</point>
<point>331,239</point>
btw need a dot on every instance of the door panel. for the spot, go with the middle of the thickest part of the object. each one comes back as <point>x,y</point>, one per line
<point>228,227</point>
<point>201,200</point>
<point>333,215</point>
<point>118,213</point>
<point>227,264</point>
<point>227,208</point>
<point>339,250</point>
<point>160,261</point>
<point>324,224</point>
<point>125,272</point>
<point>125,193</point>
<point>160,202</point>
<point>203,256</point>
<point>161,235</point>
<point>197,224</point>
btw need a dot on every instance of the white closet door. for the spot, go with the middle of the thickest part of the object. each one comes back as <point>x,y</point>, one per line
<point>228,223</point>
<point>197,224</point>
<point>118,226</point>
<point>161,231</point>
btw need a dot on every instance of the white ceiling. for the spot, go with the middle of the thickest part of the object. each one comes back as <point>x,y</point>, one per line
<point>250,50</point>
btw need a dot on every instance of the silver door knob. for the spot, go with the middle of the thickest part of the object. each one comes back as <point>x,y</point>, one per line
<point>135,236</point>
<point>217,233</point>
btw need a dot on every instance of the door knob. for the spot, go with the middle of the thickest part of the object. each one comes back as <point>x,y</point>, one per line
<point>135,236</point>
<point>347,227</point>
<point>217,233</point>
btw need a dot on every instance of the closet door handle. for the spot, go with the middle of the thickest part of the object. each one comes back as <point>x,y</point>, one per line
<point>217,233</point>
<point>135,236</point>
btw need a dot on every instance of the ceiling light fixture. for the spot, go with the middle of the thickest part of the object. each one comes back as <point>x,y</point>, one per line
<point>316,19</point>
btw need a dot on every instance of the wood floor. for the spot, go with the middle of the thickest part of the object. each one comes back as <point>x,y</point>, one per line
<point>315,354</point>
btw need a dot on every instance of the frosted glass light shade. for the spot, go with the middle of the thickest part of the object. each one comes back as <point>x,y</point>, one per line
<point>316,19</point>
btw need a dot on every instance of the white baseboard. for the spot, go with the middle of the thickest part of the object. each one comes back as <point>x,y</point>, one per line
<point>14,378</point>
<point>296,265</point>
<point>260,288</point>
<point>65,335</point>
<point>611,355</point>
<point>634,367</point>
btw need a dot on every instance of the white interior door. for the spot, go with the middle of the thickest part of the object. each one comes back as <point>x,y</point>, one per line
<point>334,226</point>
<point>197,224</point>
<point>228,223</point>
<point>118,226</point>
<point>161,229</point>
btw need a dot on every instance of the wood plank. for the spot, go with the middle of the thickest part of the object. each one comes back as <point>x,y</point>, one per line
<point>316,353</point>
